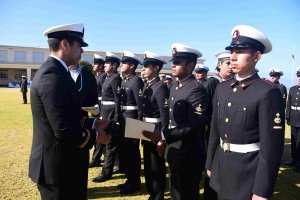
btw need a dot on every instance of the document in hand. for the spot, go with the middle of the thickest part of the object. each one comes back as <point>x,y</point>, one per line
<point>89,109</point>
<point>135,127</point>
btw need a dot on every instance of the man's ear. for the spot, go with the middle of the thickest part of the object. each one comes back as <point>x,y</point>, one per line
<point>64,43</point>
<point>257,56</point>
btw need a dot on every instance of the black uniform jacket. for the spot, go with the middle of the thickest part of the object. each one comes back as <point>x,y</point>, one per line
<point>58,133</point>
<point>131,94</point>
<point>210,86</point>
<point>24,86</point>
<point>246,112</point>
<point>87,87</point>
<point>110,88</point>
<point>155,101</point>
<point>293,101</point>
<point>283,91</point>
<point>187,113</point>
<point>100,80</point>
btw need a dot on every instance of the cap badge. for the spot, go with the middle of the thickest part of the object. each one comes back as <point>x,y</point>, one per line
<point>174,51</point>
<point>199,110</point>
<point>236,35</point>
<point>277,119</point>
<point>140,93</point>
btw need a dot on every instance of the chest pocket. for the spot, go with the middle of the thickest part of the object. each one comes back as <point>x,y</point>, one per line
<point>245,116</point>
<point>221,109</point>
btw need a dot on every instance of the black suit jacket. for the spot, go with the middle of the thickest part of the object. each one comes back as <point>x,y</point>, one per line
<point>58,133</point>
<point>293,115</point>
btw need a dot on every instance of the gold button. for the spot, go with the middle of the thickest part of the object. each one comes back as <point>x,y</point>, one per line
<point>218,103</point>
<point>245,109</point>
<point>226,120</point>
<point>172,98</point>
<point>234,89</point>
<point>176,88</point>
<point>226,136</point>
<point>170,121</point>
<point>243,85</point>
<point>180,85</point>
<point>170,109</point>
<point>229,104</point>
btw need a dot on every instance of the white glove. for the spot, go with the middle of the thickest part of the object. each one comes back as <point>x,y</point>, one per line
<point>96,111</point>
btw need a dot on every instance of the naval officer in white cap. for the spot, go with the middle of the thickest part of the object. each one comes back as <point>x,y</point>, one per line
<point>155,110</point>
<point>61,137</point>
<point>247,128</point>
<point>185,151</point>
<point>275,75</point>
<point>131,93</point>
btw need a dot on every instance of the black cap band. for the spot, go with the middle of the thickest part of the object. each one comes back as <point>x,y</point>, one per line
<point>129,59</point>
<point>153,61</point>
<point>99,61</point>
<point>246,42</point>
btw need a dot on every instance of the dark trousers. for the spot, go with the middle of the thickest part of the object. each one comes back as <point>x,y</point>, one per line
<point>185,182</point>
<point>99,149</point>
<point>209,193</point>
<point>295,144</point>
<point>155,171</point>
<point>24,94</point>
<point>129,153</point>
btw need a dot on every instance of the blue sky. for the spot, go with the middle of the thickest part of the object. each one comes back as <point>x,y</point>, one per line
<point>116,25</point>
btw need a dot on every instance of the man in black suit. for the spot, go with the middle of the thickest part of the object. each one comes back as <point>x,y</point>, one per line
<point>247,129</point>
<point>24,89</point>
<point>60,135</point>
<point>293,119</point>
<point>155,110</point>
<point>185,150</point>
<point>98,69</point>
<point>131,106</point>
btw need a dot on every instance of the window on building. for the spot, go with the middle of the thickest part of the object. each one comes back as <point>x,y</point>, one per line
<point>19,73</point>
<point>3,56</point>
<point>3,75</point>
<point>20,56</point>
<point>38,57</point>
<point>88,58</point>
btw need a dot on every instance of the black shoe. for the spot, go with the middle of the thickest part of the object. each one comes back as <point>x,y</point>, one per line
<point>122,186</point>
<point>116,171</point>
<point>290,163</point>
<point>297,169</point>
<point>94,164</point>
<point>101,178</point>
<point>129,189</point>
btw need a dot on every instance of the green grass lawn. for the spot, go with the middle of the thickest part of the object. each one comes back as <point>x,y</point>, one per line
<point>15,145</point>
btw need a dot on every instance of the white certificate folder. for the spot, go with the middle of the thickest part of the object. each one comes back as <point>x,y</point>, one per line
<point>134,128</point>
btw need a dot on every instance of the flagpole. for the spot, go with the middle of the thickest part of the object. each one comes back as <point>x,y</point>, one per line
<point>293,65</point>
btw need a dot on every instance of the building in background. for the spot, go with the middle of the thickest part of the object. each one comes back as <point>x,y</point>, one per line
<point>16,61</point>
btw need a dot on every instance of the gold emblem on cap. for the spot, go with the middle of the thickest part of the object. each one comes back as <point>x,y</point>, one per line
<point>277,119</point>
<point>199,110</point>
<point>174,51</point>
<point>235,35</point>
<point>140,93</point>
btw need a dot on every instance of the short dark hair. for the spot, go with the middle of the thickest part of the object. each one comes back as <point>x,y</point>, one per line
<point>54,43</point>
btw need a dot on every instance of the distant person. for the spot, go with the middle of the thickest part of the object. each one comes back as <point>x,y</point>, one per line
<point>293,119</point>
<point>162,77</point>
<point>169,81</point>
<point>24,89</point>
<point>247,129</point>
<point>100,75</point>
<point>61,136</point>
<point>201,73</point>
<point>275,75</point>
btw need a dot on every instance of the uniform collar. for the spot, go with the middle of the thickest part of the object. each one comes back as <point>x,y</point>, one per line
<point>152,81</point>
<point>244,83</point>
<point>129,76</point>
<point>182,83</point>
<point>61,61</point>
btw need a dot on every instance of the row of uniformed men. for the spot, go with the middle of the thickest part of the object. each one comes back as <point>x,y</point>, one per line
<point>247,123</point>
